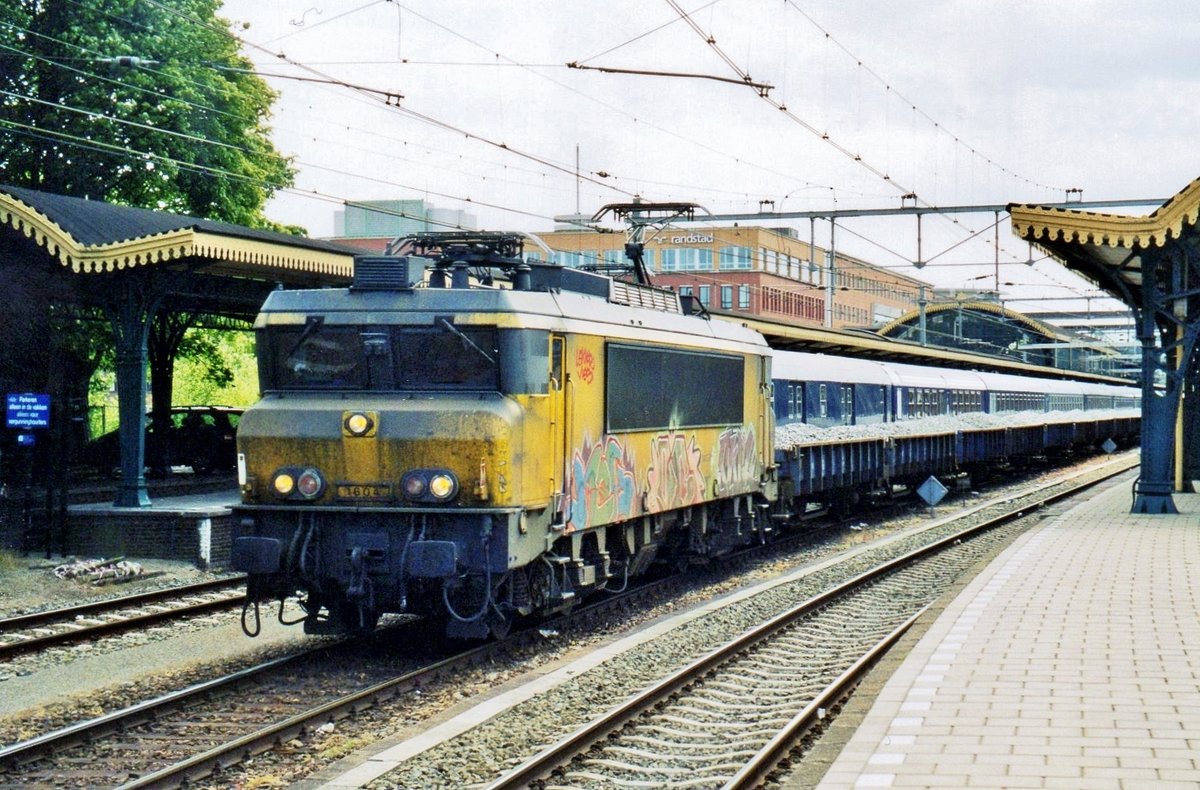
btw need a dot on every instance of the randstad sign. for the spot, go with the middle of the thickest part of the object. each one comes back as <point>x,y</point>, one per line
<point>692,238</point>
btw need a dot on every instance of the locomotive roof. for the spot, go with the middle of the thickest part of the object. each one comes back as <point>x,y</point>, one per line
<point>559,311</point>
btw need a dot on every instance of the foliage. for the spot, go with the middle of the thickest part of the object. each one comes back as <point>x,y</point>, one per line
<point>216,367</point>
<point>135,102</point>
<point>184,131</point>
<point>219,370</point>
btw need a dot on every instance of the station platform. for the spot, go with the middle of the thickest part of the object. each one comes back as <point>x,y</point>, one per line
<point>193,527</point>
<point>1071,661</point>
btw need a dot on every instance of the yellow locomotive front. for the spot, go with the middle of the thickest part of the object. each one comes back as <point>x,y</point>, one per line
<point>387,467</point>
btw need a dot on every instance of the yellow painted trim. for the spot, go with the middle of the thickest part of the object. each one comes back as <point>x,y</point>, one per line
<point>1039,224</point>
<point>165,247</point>
<point>273,255</point>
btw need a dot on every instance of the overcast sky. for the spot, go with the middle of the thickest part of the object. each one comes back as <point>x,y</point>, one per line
<point>961,103</point>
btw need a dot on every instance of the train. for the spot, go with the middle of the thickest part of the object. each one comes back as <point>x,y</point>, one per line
<point>473,437</point>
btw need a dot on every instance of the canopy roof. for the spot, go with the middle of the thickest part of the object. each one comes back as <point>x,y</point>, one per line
<point>1012,316</point>
<point>1107,248</point>
<point>90,236</point>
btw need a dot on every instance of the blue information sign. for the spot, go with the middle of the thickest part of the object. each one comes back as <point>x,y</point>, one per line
<point>27,410</point>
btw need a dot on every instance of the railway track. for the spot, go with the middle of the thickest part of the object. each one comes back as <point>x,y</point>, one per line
<point>193,733</point>
<point>729,718</point>
<point>40,630</point>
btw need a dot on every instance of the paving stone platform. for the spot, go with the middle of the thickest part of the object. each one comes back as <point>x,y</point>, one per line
<point>1071,661</point>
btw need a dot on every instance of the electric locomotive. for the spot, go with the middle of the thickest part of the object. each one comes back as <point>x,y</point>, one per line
<point>468,436</point>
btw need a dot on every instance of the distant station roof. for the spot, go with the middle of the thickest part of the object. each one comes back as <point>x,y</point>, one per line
<point>988,327</point>
<point>1106,248</point>
<point>90,236</point>
<point>1031,325</point>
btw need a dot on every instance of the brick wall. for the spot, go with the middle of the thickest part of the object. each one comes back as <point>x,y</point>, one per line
<point>169,536</point>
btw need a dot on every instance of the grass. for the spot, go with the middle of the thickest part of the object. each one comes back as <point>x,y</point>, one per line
<point>10,561</point>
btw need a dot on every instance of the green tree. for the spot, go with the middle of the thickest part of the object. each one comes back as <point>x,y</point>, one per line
<point>222,369</point>
<point>181,128</point>
<point>135,102</point>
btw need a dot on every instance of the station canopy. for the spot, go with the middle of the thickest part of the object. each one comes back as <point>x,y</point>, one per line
<point>1108,248</point>
<point>94,237</point>
<point>1152,264</point>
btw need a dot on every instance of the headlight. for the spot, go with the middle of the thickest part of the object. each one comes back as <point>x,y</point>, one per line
<point>284,484</point>
<point>295,482</point>
<point>358,423</point>
<point>442,486</point>
<point>310,484</point>
<point>429,485</point>
<point>414,485</point>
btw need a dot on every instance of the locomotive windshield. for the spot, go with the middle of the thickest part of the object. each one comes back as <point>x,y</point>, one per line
<point>438,357</point>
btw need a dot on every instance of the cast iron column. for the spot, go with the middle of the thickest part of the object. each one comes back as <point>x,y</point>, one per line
<point>1166,276</point>
<point>130,310</point>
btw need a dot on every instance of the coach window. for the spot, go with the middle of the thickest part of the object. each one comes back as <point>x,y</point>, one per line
<point>791,401</point>
<point>823,402</point>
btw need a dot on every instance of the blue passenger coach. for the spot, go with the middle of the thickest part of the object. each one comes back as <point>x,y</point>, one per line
<point>813,392</point>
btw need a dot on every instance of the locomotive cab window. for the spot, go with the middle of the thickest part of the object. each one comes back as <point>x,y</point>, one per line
<point>446,356</point>
<point>315,356</point>
<point>438,357</point>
